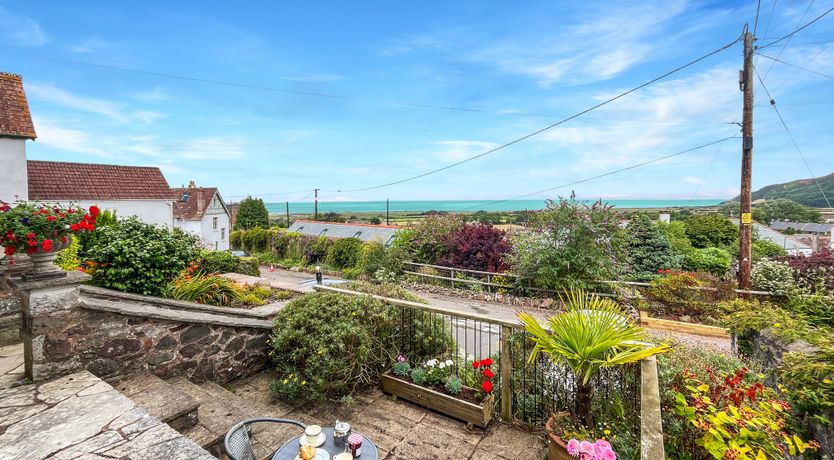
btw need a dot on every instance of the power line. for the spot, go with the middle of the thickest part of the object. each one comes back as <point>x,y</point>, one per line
<point>718,151</point>
<point>797,30</point>
<point>756,22</point>
<point>782,50</point>
<point>770,18</point>
<point>798,67</point>
<point>790,134</point>
<point>810,60</point>
<point>274,194</point>
<point>546,128</point>
<point>610,173</point>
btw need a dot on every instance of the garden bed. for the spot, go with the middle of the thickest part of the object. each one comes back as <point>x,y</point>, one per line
<point>463,407</point>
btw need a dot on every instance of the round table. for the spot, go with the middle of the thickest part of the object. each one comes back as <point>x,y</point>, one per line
<point>290,450</point>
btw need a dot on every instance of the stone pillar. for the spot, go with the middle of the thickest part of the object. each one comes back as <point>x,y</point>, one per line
<point>47,306</point>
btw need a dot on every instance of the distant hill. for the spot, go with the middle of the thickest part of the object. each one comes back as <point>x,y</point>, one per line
<point>802,191</point>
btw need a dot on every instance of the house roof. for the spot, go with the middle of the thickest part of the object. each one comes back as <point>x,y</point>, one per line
<point>365,232</point>
<point>57,180</point>
<point>788,244</point>
<point>15,119</point>
<point>802,227</point>
<point>191,203</point>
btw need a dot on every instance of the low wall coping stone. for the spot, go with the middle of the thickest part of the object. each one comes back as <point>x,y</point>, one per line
<point>73,277</point>
<point>146,310</point>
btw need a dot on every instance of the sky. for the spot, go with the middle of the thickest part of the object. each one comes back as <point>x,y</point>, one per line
<point>274,99</point>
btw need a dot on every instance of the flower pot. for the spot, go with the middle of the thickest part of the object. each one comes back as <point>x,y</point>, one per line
<point>476,414</point>
<point>557,448</point>
<point>43,264</point>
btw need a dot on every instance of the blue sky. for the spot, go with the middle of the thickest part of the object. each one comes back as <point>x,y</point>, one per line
<point>523,64</point>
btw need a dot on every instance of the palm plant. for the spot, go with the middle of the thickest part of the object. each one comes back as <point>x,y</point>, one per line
<point>591,333</point>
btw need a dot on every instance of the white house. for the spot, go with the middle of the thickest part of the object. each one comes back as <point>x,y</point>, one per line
<point>140,191</point>
<point>201,211</point>
<point>15,128</point>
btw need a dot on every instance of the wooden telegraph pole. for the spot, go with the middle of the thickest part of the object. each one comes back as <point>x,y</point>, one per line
<point>316,211</point>
<point>746,221</point>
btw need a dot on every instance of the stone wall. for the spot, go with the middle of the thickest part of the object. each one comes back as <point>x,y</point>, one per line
<point>9,316</point>
<point>66,330</point>
<point>112,345</point>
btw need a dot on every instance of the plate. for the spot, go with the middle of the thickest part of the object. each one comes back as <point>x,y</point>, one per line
<point>319,441</point>
<point>321,454</point>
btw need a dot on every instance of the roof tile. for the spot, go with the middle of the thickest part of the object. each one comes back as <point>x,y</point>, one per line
<point>15,119</point>
<point>56,180</point>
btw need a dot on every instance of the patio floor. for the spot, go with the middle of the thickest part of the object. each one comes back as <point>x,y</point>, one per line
<point>11,365</point>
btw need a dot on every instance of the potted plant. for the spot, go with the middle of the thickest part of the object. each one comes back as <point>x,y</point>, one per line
<point>591,333</point>
<point>40,231</point>
<point>437,386</point>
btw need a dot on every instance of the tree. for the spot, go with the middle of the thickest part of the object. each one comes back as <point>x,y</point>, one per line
<point>476,246</point>
<point>570,244</point>
<point>785,209</point>
<point>647,249</point>
<point>252,213</point>
<point>375,220</point>
<point>331,216</point>
<point>675,232</point>
<point>710,230</point>
<point>425,241</point>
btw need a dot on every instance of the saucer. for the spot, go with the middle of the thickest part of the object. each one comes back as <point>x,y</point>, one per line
<point>319,441</point>
<point>321,454</point>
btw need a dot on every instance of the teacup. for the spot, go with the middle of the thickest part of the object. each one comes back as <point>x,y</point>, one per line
<point>311,433</point>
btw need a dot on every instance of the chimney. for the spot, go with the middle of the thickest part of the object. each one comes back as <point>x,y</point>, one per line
<point>191,184</point>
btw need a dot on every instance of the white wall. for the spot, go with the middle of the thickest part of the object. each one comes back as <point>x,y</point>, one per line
<point>13,173</point>
<point>216,238</point>
<point>157,212</point>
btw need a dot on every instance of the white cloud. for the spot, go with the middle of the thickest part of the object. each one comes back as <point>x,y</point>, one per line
<point>20,30</point>
<point>68,139</point>
<point>109,109</point>
<point>314,78</point>
<point>459,150</point>
<point>89,45</point>
<point>693,180</point>
<point>212,148</point>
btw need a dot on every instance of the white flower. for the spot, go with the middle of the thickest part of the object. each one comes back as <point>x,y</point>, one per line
<point>442,365</point>
<point>431,362</point>
<point>449,362</point>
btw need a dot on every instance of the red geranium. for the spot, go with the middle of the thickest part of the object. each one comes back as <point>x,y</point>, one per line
<point>476,364</point>
<point>94,211</point>
<point>488,373</point>
<point>10,250</point>
<point>487,386</point>
<point>46,245</point>
<point>486,362</point>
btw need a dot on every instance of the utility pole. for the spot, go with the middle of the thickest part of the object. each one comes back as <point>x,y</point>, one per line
<point>746,222</point>
<point>387,207</point>
<point>288,214</point>
<point>316,191</point>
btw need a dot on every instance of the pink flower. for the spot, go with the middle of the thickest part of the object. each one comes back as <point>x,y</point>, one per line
<point>573,448</point>
<point>586,447</point>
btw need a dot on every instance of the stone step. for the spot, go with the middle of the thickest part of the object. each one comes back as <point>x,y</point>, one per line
<point>220,409</point>
<point>161,399</point>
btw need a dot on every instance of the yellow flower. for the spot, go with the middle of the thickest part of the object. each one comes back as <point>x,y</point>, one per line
<point>285,381</point>
<point>826,381</point>
<point>304,382</point>
<point>607,432</point>
<point>777,325</point>
<point>354,313</point>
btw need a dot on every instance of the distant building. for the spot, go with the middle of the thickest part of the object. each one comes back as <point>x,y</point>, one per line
<point>16,128</point>
<point>365,232</point>
<point>201,211</point>
<point>139,191</point>
<point>791,245</point>
<point>801,227</point>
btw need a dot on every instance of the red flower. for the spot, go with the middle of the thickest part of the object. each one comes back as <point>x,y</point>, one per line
<point>46,245</point>
<point>476,364</point>
<point>30,235</point>
<point>488,373</point>
<point>94,211</point>
<point>32,250</point>
<point>64,240</point>
<point>486,386</point>
<point>50,218</point>
<point>33,243</point>
<point>486,362</point>
<point>10,250</point>
<point>75,227</point>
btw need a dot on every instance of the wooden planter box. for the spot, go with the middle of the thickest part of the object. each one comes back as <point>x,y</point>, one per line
<point>475,414</point>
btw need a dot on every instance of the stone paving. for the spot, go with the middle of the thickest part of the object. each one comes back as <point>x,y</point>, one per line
<point>11,365</point>
<point>401,430</point>
<point>79,416</point>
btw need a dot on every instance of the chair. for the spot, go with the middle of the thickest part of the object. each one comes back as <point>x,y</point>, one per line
<point>238,443</point>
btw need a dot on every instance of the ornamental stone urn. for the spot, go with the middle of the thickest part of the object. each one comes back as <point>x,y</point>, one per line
<point>43,263</point>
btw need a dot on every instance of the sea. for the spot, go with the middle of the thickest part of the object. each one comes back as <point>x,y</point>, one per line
<point>307,207</point>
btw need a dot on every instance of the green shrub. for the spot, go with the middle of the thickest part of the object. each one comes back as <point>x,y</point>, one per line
<point>710,260</point>
<point>216,262</point>
<point>248,266</point>
<point>677,292</point>
<point>775,277</point>
<point>137,257</point>
<point>337,343</point>
<point>251,213</point>
<point>255,239</point>
<point>765,248</point>
<point>265,258</point>
<point>453,384</point>
<point>817,309</point>
<point>345,253</point>
<point>402,368</point>
<point>710,230</point>
<point>67,258</point>
<point>235,239</point>
<point>426,241</point>
<point>318,250</point>
<point>419,376</point>
<point>647,250</point>
<point>392,291</point>
<point>373,257</point>
<point>205,289</point>
<point>352,273</point>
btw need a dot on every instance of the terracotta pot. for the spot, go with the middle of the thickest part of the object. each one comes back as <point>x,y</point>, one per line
<point>557,448</point>
<point>43,264</point>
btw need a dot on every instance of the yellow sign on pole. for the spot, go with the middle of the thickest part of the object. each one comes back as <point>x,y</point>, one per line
<point>745,218</point>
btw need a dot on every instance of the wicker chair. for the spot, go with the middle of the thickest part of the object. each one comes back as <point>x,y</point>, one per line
<point>238,443</point>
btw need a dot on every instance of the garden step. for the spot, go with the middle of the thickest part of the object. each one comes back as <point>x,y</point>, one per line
<point>161,399</point>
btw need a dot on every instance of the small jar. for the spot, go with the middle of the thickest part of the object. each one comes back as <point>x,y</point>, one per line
<point>355,444</point>
<point>341,431</point>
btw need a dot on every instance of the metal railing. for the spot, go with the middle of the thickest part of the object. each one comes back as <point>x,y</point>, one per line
<point>525,391</point>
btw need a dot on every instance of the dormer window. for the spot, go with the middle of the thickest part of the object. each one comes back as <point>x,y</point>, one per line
<point>184,197</point>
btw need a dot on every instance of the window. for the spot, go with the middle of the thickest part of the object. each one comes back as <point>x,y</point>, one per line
<point>222,234</point>
<point>214,223</point>
<point>184,197</point>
